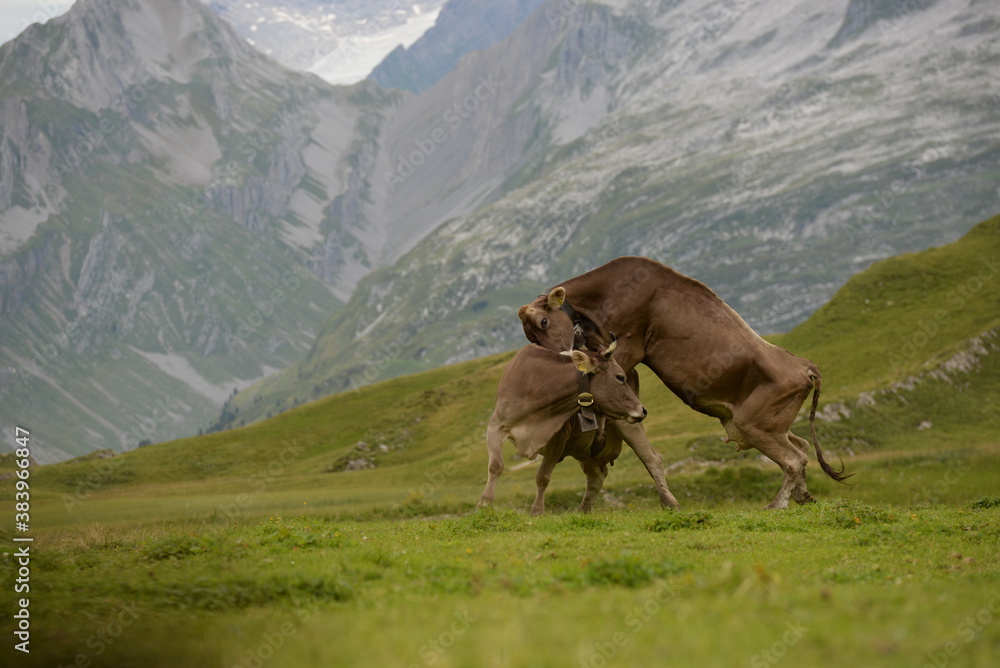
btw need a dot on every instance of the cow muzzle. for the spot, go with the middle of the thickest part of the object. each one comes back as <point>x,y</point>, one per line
<point>637,417</point>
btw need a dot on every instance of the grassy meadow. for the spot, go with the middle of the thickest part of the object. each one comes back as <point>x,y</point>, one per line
<point>259,547</point>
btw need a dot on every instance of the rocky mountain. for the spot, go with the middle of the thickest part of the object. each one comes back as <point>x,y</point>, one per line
<point>339,40</point>
<point>180,215</point>
<point>463,26</point>
<point>769,149</point>
<point>161,194</point>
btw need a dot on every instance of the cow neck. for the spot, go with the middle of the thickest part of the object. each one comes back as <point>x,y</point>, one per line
<point>568,309</point>
<point>567,401</point>
<point>584,397</point>
<point>587,413</point>
<point>571,404</point>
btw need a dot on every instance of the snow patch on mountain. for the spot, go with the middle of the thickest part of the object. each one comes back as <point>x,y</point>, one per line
<point>340,40</point>
<point>358,54</point>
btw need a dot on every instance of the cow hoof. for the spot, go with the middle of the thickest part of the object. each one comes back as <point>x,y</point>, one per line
<point>670,502</point>
<point>804,499</point>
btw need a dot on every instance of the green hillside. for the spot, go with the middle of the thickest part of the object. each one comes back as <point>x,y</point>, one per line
<point>263,544</point>
<point>905,314</point>
<point>916,334</point>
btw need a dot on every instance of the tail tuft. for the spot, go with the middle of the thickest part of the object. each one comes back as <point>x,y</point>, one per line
<point>837,474</point>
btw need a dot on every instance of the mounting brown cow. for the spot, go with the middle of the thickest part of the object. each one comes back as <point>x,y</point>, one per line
<point>538,405</point>
<point>699,347</point>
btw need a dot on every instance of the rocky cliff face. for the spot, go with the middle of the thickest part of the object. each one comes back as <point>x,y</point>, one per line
<point>161,195</point>
<point>305,35</point>
<point>182,220</point>
<point>462,27</point>
<point>769,151</point>
<point>179,214</point>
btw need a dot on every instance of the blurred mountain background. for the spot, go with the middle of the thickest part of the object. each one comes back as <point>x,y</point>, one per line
<point>183,216</point>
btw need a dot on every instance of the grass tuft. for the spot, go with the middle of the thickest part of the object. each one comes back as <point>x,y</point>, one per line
<point>848,514</point>
<point>627,570</point>
<point>694,520</point>
<point>986,502</point>
<point>179,547</point>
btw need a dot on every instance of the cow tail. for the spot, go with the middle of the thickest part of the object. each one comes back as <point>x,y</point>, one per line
<point>836,474</point>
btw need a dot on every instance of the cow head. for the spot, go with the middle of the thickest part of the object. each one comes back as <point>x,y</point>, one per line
<point>612,395</point>
<point>546,324</point>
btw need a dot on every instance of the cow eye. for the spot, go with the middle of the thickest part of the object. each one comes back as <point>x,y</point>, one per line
<point>545,323</point>
<point>620,378</point>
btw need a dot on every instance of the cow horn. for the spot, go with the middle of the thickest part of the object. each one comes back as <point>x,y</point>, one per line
<point>610,350</point>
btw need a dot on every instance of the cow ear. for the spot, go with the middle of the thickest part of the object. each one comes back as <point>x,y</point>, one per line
<point>582,361</point>
<point>556,297</point>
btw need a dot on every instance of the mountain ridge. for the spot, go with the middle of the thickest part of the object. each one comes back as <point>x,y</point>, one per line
<point>129,198</point>
<point>734,150</point>
<point>166,243</point>
<point>462,26</point>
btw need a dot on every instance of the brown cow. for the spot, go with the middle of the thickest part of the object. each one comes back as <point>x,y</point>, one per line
<point>538,406</point>
<point>699,347</point>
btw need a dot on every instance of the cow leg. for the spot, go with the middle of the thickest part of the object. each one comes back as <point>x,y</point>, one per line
<point>595,468</point>
<point>495,437</point>
<point>789,458</point>
<point>542,478</point>
<point>799,492</point>
<point>635,436</point>
<point>764,420</point>
<point>596,473</point>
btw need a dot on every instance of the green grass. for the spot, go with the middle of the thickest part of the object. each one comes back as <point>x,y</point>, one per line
<point>905,312</point>
<point>502,588</point>
<point>253,547</point>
